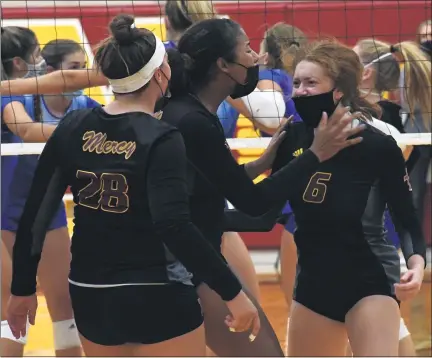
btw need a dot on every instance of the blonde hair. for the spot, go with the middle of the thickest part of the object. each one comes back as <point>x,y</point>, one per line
<point>182,14</point>
<point>282,42</point>
<point>417,72</point>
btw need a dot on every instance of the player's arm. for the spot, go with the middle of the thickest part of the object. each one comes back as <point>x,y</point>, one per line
<point>398,194</point>
<point>16,118</point>
<point>169,207</point>
<point>54,82</point>
<point>239,222</point>
<point>45,196</point>
<point>210,156</point>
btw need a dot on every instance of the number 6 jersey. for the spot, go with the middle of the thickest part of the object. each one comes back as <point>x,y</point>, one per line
<point>337,203</point>
<point>127,173</point>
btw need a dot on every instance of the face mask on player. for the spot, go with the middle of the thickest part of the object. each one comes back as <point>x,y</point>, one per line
<point>37,69</point>
<point>244,89</point>
<point>164,99</point>
<point>311,108</point>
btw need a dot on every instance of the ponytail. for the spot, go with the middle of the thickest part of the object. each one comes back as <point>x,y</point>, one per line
<point>417,72</point>
<point>368,109</point>
<point>180,64</point>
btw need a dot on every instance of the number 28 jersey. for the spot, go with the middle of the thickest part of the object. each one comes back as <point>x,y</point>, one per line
<point>331,206</point>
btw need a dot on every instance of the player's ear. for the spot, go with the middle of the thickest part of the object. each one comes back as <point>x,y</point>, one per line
<point>367,74</point>
<point>337,95</point>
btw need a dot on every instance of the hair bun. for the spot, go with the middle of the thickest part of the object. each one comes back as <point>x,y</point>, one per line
<point>123,29</point>
<point>189,62</point>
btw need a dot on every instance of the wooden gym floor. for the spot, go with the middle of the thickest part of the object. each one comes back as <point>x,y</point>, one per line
<point>417,315</point>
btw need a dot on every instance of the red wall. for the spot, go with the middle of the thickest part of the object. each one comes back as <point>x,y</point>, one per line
<point>348,20</point>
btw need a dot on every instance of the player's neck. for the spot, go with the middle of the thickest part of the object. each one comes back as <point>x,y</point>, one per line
<point>126,105</point>
<point>371,96</point>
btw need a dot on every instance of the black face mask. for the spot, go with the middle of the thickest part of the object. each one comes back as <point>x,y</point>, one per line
<point>252,77</point>
<point>311,108</point>
<point>163,101</point>
<point>426,46</point>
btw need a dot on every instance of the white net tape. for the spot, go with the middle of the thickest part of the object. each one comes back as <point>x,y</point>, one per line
<point>235,144</point>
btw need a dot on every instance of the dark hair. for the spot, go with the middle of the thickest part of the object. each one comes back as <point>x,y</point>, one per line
<point>16,42</point>
<point>182,14</point>
<point>126,51</point>
<point>193,64</point>
<point>55,51</point>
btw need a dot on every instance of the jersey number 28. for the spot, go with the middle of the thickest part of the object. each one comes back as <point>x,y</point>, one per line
<point>316,189</point>
<point>107,192</point>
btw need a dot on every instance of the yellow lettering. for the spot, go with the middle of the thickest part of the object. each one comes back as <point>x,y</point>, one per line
<point>130,149</point>
<point>107,147</point>
<point>97,142</point>
<point>121,147</point>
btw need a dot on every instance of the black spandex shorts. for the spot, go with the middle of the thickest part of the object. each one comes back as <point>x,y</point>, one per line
<point>143,314</point>
<point>333,297</point>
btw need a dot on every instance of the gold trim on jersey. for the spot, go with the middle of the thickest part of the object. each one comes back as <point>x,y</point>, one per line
<point>298,152</point>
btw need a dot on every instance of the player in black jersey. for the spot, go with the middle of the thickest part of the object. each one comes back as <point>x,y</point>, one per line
<point>382,73</point>
<point>347,280</point>
<point>130,292</point>
<point>214,60</point>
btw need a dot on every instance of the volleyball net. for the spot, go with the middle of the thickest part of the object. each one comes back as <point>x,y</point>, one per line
<point>349,21</point>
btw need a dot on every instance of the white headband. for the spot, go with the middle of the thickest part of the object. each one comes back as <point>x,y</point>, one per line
<point>379,59</point>
<point>143,76</point>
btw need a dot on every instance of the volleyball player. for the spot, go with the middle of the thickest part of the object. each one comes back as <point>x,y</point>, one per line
<point>347,278</point>
<point>130,295</point>
<point>25,118</point>
<point>179,16</point>
<point>219,338</point>
<point>214,60</point>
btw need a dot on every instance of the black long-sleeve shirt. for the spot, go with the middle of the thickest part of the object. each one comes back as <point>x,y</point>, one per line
<point>342,204</point>
<point>215,175</point>
<point>128,177</point>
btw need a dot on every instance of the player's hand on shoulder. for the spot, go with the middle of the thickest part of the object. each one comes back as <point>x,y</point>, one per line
<point>244,316</point>
<point>20,308</point>
<point>332,134</point>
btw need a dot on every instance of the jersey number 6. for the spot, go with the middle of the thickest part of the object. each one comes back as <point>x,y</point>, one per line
<point>107,192</point>
<point>317,188</point>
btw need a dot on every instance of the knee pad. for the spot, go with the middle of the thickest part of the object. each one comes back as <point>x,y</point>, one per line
<point>403,330</point>
<point>6,333</point>
<point>65,334</point>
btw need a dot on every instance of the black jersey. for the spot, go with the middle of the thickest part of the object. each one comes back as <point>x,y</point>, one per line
<point>127,173</point>
<point>215,175</point>
<point>391,113</point>
<point>330,209</point>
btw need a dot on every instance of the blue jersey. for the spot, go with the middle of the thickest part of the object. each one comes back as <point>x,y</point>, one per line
<point>8,163</point>
<point>169,44</point>
<point>26,164</point>
<point>228,117</point>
